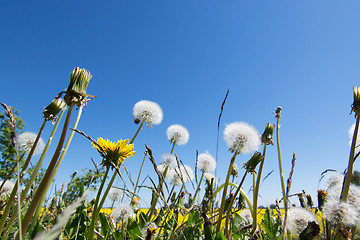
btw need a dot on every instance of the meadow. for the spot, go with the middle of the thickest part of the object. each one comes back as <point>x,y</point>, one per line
<point>209,210</point>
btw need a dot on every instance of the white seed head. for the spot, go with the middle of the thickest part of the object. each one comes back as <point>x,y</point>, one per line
<point>178,175</point>
<point>115,194</point>
<point>241,137</point>
<point>122,212</point>
<point>208,176</point>
<point>26,141</point>
<point>298,219</point>
<point>336,211</point>
<point>169,159</point>
<point>246,215</point>
<point>177,134</point>
<point>148,111</point>
<point>7,188</point>
<point>206,162</point>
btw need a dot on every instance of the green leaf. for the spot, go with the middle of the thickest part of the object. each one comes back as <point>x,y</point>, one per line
<point>105,226</point>
<point>220,236</point>
<point>134,230</point>
<point>271,225</point>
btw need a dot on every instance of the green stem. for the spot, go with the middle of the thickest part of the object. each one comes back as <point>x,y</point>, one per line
<point>256,191</point>
<point>224,192</point>
<point>198,188</point>
<point>138,178</point>
<point>232,202</point>
<point>41,189</point>
<point>280,162</point>
<point>64,150</point>
<point>137,132</point>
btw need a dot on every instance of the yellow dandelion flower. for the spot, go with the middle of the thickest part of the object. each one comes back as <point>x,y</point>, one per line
<point>114,152</point>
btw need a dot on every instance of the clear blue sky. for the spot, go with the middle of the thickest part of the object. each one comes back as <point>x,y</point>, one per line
<point>302,55</point>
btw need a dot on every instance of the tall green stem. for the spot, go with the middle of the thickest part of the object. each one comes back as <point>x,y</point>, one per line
<point>256,191</point>
<point>41,189</point>
<point>64,150</point>
<point>280,162</point>
<point>224,192</point>
<point>138,178</point>
<point>198,188</point>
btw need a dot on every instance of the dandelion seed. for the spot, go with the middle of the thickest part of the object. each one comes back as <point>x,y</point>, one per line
<point>209,176</point>
<point>298,219</point>
<point>26,141</point>
<point>115,194</point>
<point>122,212</point>
<point>148,111</point>
<point>241,137</point>
<point>206,162</point>
<point>177,134</point>
<point>7,188</point>
<point>114,152</point>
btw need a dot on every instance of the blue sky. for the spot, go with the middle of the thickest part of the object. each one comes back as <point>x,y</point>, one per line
<point>184,55</point>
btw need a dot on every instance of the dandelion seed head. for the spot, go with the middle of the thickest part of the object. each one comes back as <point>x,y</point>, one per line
<point>177,134</point>
<point>122,212</point>
<point>334,180</point>
<point>206,162</point>
<point>336,211</point>
<point>115,194</point>
<point>178,175</point>
<point>246,215</point>
<point>208,176</point>
<point>169,159</point>
<point>148,111</point>
<point>241,137</point>
<point>161,168</point>
<point>298,219</point>
<point>26,141</point>
<point>150,231</point>
<point>7,188</point>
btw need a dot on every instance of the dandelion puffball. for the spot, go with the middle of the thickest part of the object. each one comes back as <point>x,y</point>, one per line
<point>177,134</point>
<point>26,141</point>
<point>206,162</point>
<point>241,137</point>
<point>148,111</point>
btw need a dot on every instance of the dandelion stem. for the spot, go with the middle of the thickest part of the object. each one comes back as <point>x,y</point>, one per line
<point>41,189</point>
<point>224,192</point>
<point>198,188</point>
<point>256,191</point>
<point>137,132</point>
<point>280,162</point>
<point>138,178</point>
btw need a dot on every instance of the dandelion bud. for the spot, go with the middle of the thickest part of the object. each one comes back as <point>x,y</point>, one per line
<point>76,91</point>
<point>301,199</point>
<point>253,162</point>
<point>267,136</point>
<point>310,203</point>
<point>278,112</point>
<point>356,104</point>
<point>321,199</point>
<point>234,170</point>
<point>54,108</point>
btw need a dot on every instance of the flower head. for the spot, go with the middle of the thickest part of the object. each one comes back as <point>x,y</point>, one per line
<point>179,175</point>
<point>54,108</point>
<point>169,159</point>
<point>177,134</point>
<point>115,194</point>
<point>7,188</point>
<point>241,137</point>
<point>148,111</point>
<point>26,141</point>
<point>337,211</point>
<point>211,177</point>
<point>122,212</point>
<point>114,153</point>
<point>298,219</point>
<point>246,215</point>
<point>150,231</point>
<point>206,162</point>
<point>76,91</point>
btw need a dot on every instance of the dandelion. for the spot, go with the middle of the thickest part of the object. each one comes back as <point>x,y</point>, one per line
<point>7,188</point>
<point>179,175</point>
<point>209,176</point>
<point>122,212</point>
<point>114,153</point>
<point>169,159</point>
<point>76,91</point>
<point>26,141</point>
<point>206,162</point>
<point>177,134</point>
<point>115,194</point>
<point>336,211</point>
<point>246,215</point>
<point>148,111</point>
<point>298,219</point>
<point>241,137</point>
